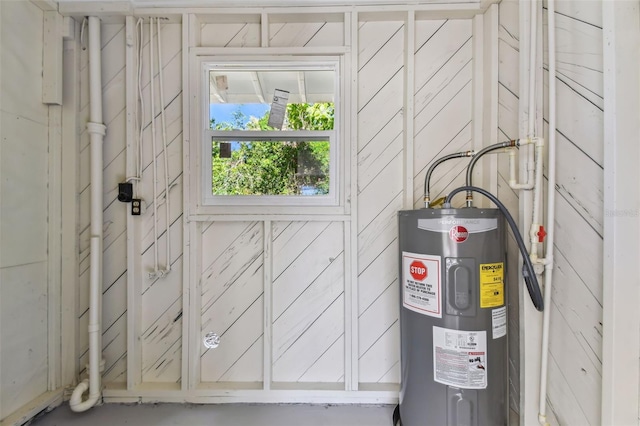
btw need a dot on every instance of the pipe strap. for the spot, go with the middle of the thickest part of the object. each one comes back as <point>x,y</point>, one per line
<point>96,128</point>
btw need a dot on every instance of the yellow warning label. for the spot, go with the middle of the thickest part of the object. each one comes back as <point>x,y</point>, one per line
<point>491,285</point>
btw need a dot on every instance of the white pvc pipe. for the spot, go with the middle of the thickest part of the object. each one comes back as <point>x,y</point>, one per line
<point>96,131</point>
<point>537,151</point>
<point>537,201</point>
<point>531,115</point>
<point>551,206</point>
<point>531,166</point>
<point>532,68</point>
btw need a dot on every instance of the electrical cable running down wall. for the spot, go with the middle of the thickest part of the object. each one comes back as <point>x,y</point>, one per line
<point>157,271</point>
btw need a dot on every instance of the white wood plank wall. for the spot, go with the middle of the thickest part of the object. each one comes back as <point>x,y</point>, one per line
<point>161,297</point>
<point>276,290</point>
<point>508,92</point>
<point>380,190</point>
<point>232,301</point>
<point>575,375</point>
<point>574,395</point>
<point>24,175</point>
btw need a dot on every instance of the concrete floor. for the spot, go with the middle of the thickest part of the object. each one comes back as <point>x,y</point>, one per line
<point>219,415</point>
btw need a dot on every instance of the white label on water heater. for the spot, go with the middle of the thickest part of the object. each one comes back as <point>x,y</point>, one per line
<point>421,284</point>
<point>499,322</point>
<point>460,358</point>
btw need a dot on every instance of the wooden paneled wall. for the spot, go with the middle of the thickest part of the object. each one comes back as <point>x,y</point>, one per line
<point>575,364</point>
<point>508,95</point>
<point>24,230</point>
<point>297,334</point>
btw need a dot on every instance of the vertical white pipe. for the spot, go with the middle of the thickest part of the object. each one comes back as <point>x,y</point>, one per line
<point>537,200</point>
<point>551,208</point>
<point>533,55</point>
<point>531,114</point>
<point>96,131</point>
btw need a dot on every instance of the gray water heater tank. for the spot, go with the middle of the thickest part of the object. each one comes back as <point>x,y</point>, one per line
<point>453,318</point>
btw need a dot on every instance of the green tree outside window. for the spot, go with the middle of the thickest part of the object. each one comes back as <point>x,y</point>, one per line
<point>272,167</point>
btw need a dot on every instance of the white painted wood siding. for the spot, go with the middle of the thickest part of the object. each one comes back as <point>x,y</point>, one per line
<point>308,302</point>
<point>575,349</point>
<point>276,290</point>
<point>232,301</point>
<point>443,98</point>
<point>160,327</point>
<point>380,189</point>
<point>508,92</point>
<point>24,173</point>
<point>575,365</point>
<point>161,297</point>
<point>442,123</point>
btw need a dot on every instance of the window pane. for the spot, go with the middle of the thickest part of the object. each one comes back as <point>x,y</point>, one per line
<point>241,99</point>
<point>270,167</point>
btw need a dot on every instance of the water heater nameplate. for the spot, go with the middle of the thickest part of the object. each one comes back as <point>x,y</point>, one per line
<point>460,358</point>
<point>422,284</point>
<point>472,225</point>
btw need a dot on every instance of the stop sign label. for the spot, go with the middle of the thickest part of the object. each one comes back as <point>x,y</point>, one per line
<point>417,270</point>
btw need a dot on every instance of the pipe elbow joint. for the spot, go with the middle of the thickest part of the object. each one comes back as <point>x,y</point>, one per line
<point>76,403</point>
<point>539,141</point>
<point>542,419</point>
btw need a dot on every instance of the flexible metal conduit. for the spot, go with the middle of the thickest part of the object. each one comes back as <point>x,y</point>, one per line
<point>436,163</point>
<point>475,159</point>
<point>96,131</point>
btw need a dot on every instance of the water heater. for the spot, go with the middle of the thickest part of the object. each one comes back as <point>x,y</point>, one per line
<point>453,317</point>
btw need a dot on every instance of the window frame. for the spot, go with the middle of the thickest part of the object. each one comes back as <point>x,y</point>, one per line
<point>207,202</point>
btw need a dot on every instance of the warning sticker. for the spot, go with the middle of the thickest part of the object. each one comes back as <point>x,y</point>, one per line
<point>460,358</point>
<point>499,322</point>
<point>491,285</point>
<point>421,291</point>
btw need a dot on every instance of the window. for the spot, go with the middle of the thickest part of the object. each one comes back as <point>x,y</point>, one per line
<point>270,134</point>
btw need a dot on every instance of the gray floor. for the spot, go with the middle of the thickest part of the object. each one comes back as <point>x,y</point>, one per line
<point>219,415</point>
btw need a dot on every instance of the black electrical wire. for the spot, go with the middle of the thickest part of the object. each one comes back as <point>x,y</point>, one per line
<point>427,177</point>
<point>527,269</point>
<point>475,159</point>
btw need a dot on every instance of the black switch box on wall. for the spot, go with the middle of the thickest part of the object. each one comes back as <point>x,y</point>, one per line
<point>125,192</point>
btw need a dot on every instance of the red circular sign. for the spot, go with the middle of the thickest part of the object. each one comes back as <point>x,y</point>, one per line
<point>459,234</point>
<point>417,270</point>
